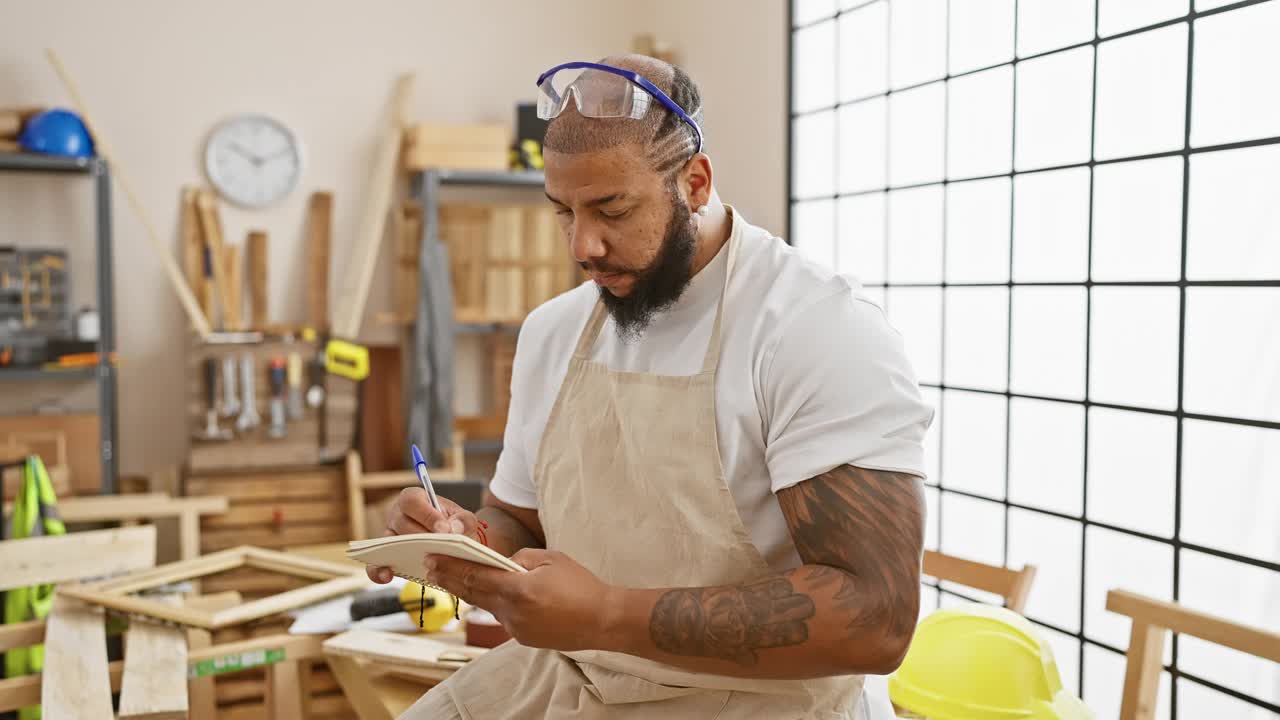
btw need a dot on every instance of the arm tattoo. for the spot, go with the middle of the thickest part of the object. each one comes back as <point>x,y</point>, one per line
<point>867,527</point>
<point>732,622</point>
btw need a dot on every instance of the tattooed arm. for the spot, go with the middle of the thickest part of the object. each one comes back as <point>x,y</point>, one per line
<point>851,608</point>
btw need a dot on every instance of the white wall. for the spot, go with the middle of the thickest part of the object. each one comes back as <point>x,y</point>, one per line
<point>158,75</point>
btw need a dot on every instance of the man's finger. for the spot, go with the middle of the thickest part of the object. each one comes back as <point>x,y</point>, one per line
<point>530,558</point>
<point>378,574</point>
<point>465,578</point>
<point>413,504</point>
<point>401,524</point>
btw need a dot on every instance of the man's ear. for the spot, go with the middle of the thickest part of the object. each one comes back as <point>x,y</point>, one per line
<point>696,181</point>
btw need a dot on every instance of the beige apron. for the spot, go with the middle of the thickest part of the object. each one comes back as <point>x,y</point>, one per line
<point>630,484</point>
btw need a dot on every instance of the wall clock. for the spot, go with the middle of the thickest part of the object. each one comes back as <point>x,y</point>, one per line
<point>253,161</point>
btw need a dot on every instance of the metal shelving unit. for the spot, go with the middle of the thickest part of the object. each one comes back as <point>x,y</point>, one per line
<point>103,372</point>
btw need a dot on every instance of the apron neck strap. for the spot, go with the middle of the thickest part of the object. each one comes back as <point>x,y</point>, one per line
<point>712,359</point>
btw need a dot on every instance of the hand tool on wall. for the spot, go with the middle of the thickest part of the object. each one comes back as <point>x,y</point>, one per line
<point>295,386</point>
<point>249,417</point>
<point>276,376</point>
<point>315,392</point>
<point>158,246</point>
<point>211,429</point>
<point>230,400</point>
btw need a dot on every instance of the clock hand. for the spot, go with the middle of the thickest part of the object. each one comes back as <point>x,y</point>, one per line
<point>247,154</point>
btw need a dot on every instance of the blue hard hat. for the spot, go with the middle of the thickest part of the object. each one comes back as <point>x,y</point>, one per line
<point>57,132</point>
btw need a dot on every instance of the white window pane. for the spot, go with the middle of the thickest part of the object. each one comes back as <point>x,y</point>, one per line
<point>917,315</point>
<point>978,231</point>
<point>1232,361</point>
<point>1053,546</point>
<point>1230,497</point>
<point>813,76</point>
<point>980,124</point>
<point>862,238</point>
<point>804,12</point>
<point>1055,101</point>
<point>981,34</point>
<point>1045,25</point>
<point>1116,16</point>
<point>1066,655</point>
<point>1046,455</point>
<point>1142,93</point>
<point>918,118</point>
<point>933,398</point>
<point>1117,561</point>
<point>1133,348</point>
<point>973,445</point>
<point>1051,226</point>
<point>1198,701</point>
<point>972,529</point>
<point>928,601</point>
<point>915,235</point>
<point>1131,468</point>
<point>864,51</point>
<point>1233,81</point>
<point>1202,5</point>
<point>977,338</point>
<point>862,145</point>
<point>1243,593</point>
<point>918,41</point>
<point>1048,341</point>
<point>814,223</point>
<point>813,162</point>
<point>1233,227</point>
<point>931,518</point>
<point>1137,220</point>
<point>1104,681</point>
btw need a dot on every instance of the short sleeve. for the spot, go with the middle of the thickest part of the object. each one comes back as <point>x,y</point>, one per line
<point>512,481</point>
<point>838,390</point>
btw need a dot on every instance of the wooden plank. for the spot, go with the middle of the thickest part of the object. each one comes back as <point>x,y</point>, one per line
<point>211,229</point>
<point>23,691</point>
<point>1142,672</point>
<point>83,444</point>
<point>290,600</point>
<point>373,219</point>
<point>148,506</point>
<point>15,635</point>
<point>173,572</point>
<point>271,537</point>
<point>400,649</point>
<point>459,147</point>
<point>355,497</point>
<point>258,259</point>
<point>56,559</point>
<point>193,245</point>
<point>409,222</point>
<point>154,684</point>
<point>235,280</point>
<point>358,690</point>
<point>306,511</point>
<point>76,645</point>
<point>1179,619</point>
<point>303,564</point>
<point>319,224</point>
<point>201,691</point>
<point>313,484</point>
<point>284,691</point>
<point>981,576</point>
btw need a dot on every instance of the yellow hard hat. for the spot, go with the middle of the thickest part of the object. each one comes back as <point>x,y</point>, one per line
<point>979,662</point>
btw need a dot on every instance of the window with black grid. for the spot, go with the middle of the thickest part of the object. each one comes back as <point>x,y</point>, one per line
<point>1071,211</point>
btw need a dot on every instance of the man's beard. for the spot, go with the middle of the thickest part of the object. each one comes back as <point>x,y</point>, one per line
<point>658,286</point>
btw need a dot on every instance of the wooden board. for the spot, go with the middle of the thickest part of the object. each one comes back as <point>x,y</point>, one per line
<point>193,251</point>
<point>285,536</point>
<point>82,440</point>
<point>235,280</point>
<point>401,649</point>
<point>211,229</point>
<point>456,147</point>
<point>319,224</point>
<point>382,436</point>
<point>154,684</point>
<point>409,222</point>
<point>76,645</point>
<point>312,483</point>
<point>278,513</point>
<point>258,258</point>
<point>60,558</point>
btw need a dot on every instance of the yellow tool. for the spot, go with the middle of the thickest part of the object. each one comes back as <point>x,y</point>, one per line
<point>430,610</point>
<point>979,662</point>
<point>346,359</point>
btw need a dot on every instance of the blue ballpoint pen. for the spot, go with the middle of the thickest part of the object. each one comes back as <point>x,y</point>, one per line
<point>420,466</point>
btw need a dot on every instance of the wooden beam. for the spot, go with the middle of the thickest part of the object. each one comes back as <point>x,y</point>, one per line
<point>75,651</point>
<point>1142,672</point>
<point>211,228</point>
<point>283,694</point>
<point>154,685</point>
<point>16,635</point>
<point>193,246</point>
<point>147,506</point>
<point>1179,619</point>
<point>258,259</point>
<point>158,246</point>
<point>173,572</point>
<point>61,558</point>
<point>235,279</point>
<point>355,496</point>
<point>319,226</point>
<point>990,578</point>
<point>373,219</point>
<point>356,686</point>
<point>201,692</point>
<point>290,600</point>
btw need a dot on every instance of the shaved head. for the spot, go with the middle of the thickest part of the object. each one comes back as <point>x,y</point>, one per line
<point>666,141</point>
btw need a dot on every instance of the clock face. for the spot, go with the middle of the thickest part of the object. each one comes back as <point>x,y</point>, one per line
<point>253,161</point>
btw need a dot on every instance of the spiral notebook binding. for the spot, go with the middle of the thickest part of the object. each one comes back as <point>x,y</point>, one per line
<point>422,602</point>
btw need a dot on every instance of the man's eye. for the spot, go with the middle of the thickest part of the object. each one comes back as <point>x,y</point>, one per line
<point>563,211</point>
<point>614,215</point>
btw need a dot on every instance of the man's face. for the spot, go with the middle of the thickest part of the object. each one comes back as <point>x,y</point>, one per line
<point>627,226</point>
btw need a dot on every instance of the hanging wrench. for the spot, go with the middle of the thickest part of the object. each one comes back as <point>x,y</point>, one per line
<point>249,413</point>
<point>230,402</point>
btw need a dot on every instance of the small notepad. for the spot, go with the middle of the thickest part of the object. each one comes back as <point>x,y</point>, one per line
<point>404,553</point>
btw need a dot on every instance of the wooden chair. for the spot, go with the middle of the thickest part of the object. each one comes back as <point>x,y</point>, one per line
<point>1151,619</point>
<point>358,482</point>
<point>1013,585</point>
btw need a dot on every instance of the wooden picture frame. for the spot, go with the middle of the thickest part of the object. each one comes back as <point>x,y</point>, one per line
<point>335,579</point>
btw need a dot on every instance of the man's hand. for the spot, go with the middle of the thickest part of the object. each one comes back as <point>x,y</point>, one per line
<point>558,604</point>
<point>412,513</point>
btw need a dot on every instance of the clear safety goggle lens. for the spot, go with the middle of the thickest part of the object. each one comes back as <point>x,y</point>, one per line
<point>599,94</point>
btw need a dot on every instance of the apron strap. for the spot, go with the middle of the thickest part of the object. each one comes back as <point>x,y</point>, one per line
<point>589,333</point>
<point>712,359</point>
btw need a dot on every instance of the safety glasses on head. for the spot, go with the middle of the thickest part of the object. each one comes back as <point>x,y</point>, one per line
<point>603,91</point>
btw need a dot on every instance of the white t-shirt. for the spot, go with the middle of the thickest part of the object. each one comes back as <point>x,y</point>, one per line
<point>811,377</point>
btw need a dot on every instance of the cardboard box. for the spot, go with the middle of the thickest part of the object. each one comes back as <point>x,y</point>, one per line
<point>456,147</point>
